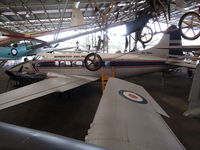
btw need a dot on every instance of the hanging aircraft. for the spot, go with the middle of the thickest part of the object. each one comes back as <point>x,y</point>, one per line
<point>61,72</point>
<point>15,37</point>
<point>17,51</point>
<point>120,123</point>
<point>11,37</point>
<point>9,49</point>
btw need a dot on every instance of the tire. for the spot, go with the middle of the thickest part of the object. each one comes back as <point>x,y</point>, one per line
<point>149,34</point>
<point>197,28</point>
<point>91,63</point>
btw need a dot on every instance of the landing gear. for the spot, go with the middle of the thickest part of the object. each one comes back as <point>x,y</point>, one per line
<point>145,34</point>
<point>189,25</point>
<point>93,62</point>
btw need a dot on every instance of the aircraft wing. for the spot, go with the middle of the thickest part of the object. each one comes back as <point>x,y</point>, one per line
<point>128,118</point>
<point>42,88</point>
<point>7,41</point>
<point>15,37</point>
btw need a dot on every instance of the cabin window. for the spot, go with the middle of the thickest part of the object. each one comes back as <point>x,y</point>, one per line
<point>56,63</point>
<point>77,64</point>
<point>68,63</point>
<point>62,63</point>
<point>107,64</point>
<point>65,64</point>
<point>47,64</point>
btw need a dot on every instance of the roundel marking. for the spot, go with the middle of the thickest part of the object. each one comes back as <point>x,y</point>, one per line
<point>14,51</point>
<point>132,96</point>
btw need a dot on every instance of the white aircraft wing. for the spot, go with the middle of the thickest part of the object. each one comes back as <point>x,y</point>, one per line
<point>42,88</point>
<point>128,118</point>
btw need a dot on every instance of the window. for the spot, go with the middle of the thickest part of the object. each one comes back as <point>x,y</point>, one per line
<point>77,64</point>
<point>62,63</point>
<point>68,64</point>
<point>107,64</point>
<point>65,64</point>
<point>47,64</point>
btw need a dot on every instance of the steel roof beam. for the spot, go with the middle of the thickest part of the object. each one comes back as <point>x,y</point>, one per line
<point>47,15</point>
<point>34,16</point>
<point>8,8</point>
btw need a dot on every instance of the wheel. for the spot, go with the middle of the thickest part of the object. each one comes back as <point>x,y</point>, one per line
<point>145,34</point>
<point>93,62</point>
<point>189,25</point>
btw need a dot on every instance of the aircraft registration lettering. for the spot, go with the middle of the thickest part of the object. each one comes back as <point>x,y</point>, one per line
<point>147,53</point>
<point>62,56</point>
<point>68,56</point>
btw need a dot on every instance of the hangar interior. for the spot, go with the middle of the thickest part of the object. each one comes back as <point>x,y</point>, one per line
<point>72,112</point>
<point>43,15</point>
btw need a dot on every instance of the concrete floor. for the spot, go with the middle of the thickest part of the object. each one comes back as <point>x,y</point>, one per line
<point>72,116</point>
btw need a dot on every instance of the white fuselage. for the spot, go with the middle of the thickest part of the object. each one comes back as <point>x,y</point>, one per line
<point>122,65</point>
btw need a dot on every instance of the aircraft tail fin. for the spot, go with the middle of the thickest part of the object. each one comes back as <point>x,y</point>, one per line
<point>174,40</point>
<point>168,44</point>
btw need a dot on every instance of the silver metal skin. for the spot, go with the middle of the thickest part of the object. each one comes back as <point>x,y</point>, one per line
<point>19,138</point>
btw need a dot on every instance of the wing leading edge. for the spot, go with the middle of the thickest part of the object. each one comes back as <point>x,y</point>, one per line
<point>128,118</point>
<point>42,88</point>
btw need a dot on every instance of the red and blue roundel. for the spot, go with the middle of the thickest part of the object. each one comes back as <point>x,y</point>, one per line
<point>131,96</point>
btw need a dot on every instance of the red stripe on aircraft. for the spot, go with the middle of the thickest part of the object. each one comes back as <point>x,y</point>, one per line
<point>103,59</point>
<point>102,67</point>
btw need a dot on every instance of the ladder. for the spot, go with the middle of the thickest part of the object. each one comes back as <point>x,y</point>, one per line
<point>104,77</point>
